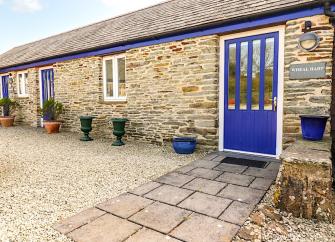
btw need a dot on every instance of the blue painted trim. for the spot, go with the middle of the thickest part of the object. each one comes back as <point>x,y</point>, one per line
<point>279,18</point>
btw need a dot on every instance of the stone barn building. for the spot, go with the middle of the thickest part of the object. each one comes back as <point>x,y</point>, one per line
<point>235,74</point>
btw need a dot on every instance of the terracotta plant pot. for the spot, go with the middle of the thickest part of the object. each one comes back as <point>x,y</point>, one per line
<point>52,127</point>
<point>7,121</point>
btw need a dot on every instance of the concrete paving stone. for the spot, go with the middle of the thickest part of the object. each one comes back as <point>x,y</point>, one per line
<point>185,169</point>
<point>273,166</point>
<point>204,173</point>
<point>169,194</point>
<point>236,179</point>
<point>206,204</point>
<point>148,235</point>
<point>148,187</point>
<point>205,164</point>
<point>107,228</point>
<point>205,186</point>
<point>211,156</point>
<point>124,205</point>
<point>205,229</point>
<point>160,217</point>
<point>261,183</point>
<point>237,213</point>
<point>78,220</point>
<point>260,172</point>
<point>219,158</point>
<point>242,194</point>
<point>231,168</point>
<point>175,179</point>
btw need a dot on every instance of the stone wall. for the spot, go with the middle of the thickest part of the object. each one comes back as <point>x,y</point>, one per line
<point>27,113</point>
<point>306,96</point>
<point>173,90</point>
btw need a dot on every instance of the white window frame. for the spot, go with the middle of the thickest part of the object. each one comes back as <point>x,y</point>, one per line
<point>116,96</point>
<point>25,93</point>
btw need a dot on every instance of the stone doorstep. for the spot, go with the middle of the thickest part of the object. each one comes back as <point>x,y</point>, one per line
<point>231,168</point>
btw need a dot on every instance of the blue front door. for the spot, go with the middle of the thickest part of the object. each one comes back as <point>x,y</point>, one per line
<point>250,93</point>
<point>4,86</point>
<point>47,80</point>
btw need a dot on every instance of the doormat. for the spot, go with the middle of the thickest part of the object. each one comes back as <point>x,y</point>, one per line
<point>245,162</point>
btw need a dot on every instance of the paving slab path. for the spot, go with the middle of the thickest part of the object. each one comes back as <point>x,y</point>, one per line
<point>205,201</point>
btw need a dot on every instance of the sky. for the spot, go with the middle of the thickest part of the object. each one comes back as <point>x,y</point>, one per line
<point>24,21</point>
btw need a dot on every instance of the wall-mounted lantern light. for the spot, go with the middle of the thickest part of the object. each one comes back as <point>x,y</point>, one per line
<point>309,41</point>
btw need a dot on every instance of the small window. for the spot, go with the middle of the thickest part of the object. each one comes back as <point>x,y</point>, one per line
<point>114,71</point>
<point>22,79</point>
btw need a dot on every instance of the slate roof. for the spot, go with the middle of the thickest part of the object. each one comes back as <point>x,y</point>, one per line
<point>167,17</point>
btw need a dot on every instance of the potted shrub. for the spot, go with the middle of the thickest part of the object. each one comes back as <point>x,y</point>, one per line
<point>8,108</point>
<point>184,145</point>
<point>313,126</point>
<point>50,113</point>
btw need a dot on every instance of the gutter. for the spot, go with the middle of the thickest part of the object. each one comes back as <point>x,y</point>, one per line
<point>328,12</point>
<point>179,31</point>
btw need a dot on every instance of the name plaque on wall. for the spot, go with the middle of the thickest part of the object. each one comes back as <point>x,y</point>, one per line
<point>308,71</point>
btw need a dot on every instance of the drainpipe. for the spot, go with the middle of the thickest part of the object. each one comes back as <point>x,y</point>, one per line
<point>328,12</point>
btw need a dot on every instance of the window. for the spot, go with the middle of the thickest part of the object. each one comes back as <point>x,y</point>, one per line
<point>22,79</point>
<point>114,71</point>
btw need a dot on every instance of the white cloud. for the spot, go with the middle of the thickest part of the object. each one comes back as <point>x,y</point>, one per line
<point>26,5</point>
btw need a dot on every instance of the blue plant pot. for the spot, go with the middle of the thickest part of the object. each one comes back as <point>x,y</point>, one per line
<point>184,145</point>
<point>313,127</point>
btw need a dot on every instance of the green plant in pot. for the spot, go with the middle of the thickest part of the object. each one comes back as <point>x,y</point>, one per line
<point>8,108</point>
<point>50,112</point>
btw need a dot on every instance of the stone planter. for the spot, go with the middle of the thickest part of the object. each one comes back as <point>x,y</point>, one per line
<point>52,127</point>
<point>86,127</point>
<point>119,130</point>
<point>7,121</point>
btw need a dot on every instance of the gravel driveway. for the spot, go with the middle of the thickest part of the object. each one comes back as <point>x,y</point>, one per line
<point>45,178</point>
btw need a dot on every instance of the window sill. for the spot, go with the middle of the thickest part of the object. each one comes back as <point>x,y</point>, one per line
<point>111,101</point>
<point>22,96</point>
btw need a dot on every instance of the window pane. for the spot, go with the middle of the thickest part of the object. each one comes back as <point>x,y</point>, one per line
<point>269,57</point>
<point>122,77</point>
<point>232,76</point>
<point>244,76</point>
<point>256,61</point>
<point>109,78</point>
<point>20,83</point>
<point>24,84</point>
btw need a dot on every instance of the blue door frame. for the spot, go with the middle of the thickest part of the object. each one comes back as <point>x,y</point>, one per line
<point>251,94</point>
<point>47,85</point>
<point>4,86</point>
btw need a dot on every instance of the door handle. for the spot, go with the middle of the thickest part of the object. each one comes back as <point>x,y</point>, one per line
<point>275,104</point>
